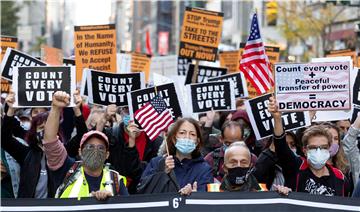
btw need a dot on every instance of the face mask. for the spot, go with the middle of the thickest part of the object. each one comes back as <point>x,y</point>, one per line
<point>40,135</point>
<point>334,148</point>
<point>225,147</point>
<point>294,151</point>
<point>342,136</point>
<point>185,145</point>
<point>318,157</point>
<point>247,132</point>
<point>26,125</point>
<point>126,119</point>
<point>93,158</point>
<point>237,175</point>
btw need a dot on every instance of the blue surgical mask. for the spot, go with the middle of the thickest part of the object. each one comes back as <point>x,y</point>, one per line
<point>26,125</point>
<point>126,119</point>
<point>318,157</point>
<point>185,145</point>
<point>225,147</point>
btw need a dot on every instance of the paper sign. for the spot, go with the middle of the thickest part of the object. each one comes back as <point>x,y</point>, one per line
<point>141,63</point>
<point>230,60</point>
<point>51,56</point>
<point>183,65</point>
<point>164,65</point>
<point>204,73</point>
<point>239,83</point>
<point>7,42</point>
<point>68,62</point>
<point>200,34</point>
<point>123,63</point>
<point>342,53</point>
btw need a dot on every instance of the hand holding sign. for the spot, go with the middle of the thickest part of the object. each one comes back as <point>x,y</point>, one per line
<point>133,131</point>
<point>210,115</point>
<point>110,112</point>
<point>60,99</point>
<point>274,110</point>
<point>77,101</point>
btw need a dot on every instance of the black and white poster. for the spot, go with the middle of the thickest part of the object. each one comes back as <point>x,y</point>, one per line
<point>68,62</point>
<point>183,65</point>
<point>240,88</point>
<point>106,88</point>
<point>169,92</point>
<point>35,86</point>
<point>204,73</point>
<point>262,121</point>
<point>13,58</point>
<point>217,96</point>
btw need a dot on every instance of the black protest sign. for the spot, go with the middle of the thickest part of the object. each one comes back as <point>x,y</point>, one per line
<point>68,62</point>
<point>183,65</point>
<point>356,89</point>
<point>217,96</point>
<point>35,86</point>
<point>204,73</point>
<point>262,121</point>
<point>240,88</point>
<point>13,58</point>
<point>107,88</point>
<point>168,92</point>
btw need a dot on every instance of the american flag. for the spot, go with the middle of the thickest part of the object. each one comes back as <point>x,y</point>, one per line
<point>154,117</point>
<point>254,63</point>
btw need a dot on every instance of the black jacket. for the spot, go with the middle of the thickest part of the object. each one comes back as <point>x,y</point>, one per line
<point>265,167</point>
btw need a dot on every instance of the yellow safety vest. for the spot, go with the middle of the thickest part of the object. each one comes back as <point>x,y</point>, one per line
<point>80,188</point>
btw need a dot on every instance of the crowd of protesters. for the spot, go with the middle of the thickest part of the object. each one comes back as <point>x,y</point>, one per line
<point>63,152</point>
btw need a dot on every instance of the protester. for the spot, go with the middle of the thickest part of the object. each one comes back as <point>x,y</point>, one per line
<point>191,171</point>
<point>90,177</point>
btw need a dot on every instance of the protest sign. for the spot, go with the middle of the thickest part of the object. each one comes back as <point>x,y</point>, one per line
<point>84,86</point>
<point>95,48</point>
<point>13,58</point>
<point>343,53</point>
<point>7,42</point>
<point>164,65</point>
<point>262,121</point>
<point>200,34</point>
<point>159,79</point>
<point>183,65</point>
<point>239,83</point>
<point>123,62</point>
<point>230,60</point>
<point>68,62</point>
<point>108,88</point>
<point>203,73</point>
<point>313,86</point>
<point>51,55</point>
<point>217,96</point>
<point>5,86</point>
<point>141,63</point>
<point>35,86</point>
<point>169,92</point>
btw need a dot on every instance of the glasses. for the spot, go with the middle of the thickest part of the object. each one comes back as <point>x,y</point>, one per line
<point>93,146</point>
<point>310,147</point>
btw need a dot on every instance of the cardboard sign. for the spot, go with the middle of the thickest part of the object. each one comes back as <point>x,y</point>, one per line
<point>5,86</point>
<point>95,48</point>
<point>204,73</point>
<point>183,65</point>
<point>230,60</point>
<point>239,83</point>
<point>108,88</point>
<point>7,42</point>
<point>313,86</point>
<point>141,63</point>
<point>200,34</point>
<point>168,92</point>
<point>164,65</point>
<point>13,58</point>
<point>262,121</point>
<point>51,55</point>
<point>217,96</point>
<point>68,62</point>
<point>342,53</point>
<point>35,86</point>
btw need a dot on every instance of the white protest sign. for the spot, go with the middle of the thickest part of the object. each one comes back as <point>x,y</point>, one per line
<point>164,65</point>
<point>123,63</point>
<point>313,86</point>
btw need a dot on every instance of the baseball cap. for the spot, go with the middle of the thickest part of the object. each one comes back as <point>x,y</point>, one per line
<point>94,133</point>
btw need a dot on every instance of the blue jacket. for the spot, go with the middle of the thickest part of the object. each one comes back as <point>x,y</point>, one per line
<point>186,171</point>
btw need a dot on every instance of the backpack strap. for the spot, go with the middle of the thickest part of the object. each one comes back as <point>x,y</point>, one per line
<point>116,185</point>
<point>69,178</point>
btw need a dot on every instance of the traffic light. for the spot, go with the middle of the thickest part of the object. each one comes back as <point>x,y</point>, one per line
<point>271,13</point>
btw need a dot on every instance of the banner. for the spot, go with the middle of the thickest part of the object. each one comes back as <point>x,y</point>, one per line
<point>168,92</point>
<point>51,55</point>
<point>13,58</point>
<point>164,65</point>
<point>200,34</point>
<point>262,121</point>
<point>7,42</point>
<point>141,63</point>
<point>342,53</point>
<point>123,62</point>
<point>163,43</point>
<point>108,88</point>
<point>230,60</point>
<point>197,201</point>
<point>35,86</point>
<point>239,83</point>
<point>95,48</point>
<point>204,73</point>
<point>313,86</point>
<point>217,96</point>
<point>183,65</point>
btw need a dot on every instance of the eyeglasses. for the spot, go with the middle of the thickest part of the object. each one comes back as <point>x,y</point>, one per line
<point>93,146</point>
<point>310,147</point>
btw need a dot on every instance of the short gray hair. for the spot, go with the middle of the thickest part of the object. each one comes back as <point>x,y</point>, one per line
<point>237,144</point>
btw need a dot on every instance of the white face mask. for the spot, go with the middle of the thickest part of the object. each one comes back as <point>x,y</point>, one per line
<point>318,157</point>
<point>26,125</point>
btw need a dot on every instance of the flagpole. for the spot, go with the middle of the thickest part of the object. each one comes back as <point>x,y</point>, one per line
<point>196,72</point>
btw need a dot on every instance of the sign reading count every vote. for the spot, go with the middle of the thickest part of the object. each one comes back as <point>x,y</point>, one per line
<point>313,86</point>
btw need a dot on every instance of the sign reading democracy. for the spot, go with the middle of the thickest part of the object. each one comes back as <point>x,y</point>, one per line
<point>13,58</point>
<point>200,34</point>
<point>141,63</point>
<point>95,48</point>
<point>313,86</point>
<point>35,86</point>
<point>183,65</point>
<point>262,121</point>
<point>204,73</point>
<point>168,92</point>
<point>7,42</point>
<point>230,60</point>
<point>239,83</point>
<point>217,96</point>
<point>109,88</point>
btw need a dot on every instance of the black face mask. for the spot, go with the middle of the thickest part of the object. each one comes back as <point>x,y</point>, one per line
<point>238,175</point>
